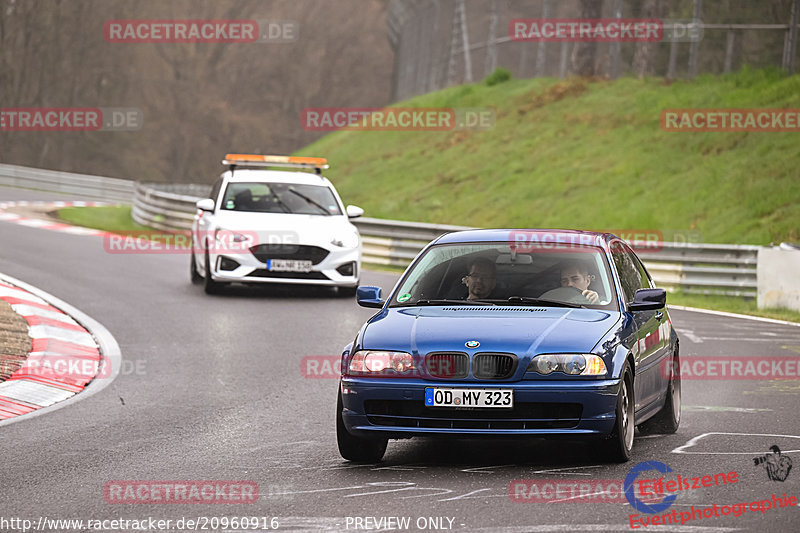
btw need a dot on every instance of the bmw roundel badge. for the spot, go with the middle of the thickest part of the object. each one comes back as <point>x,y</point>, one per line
<point>472,344</point>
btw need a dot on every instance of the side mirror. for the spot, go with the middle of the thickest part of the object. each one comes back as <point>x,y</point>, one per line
<point>648,300</point>
<point>207,204</point>
<point>368,296</point>
<point>353,211</point>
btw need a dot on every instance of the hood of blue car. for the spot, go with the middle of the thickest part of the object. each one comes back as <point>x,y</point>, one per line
<point>516,329</point>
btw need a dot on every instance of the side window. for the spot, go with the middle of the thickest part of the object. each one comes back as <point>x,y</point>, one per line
<point>631,276</point>
<point>215,190</point>
<point>647,281</point>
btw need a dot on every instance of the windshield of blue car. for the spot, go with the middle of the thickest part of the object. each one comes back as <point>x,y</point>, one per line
<point>292,198</point>
<point>495,274</point>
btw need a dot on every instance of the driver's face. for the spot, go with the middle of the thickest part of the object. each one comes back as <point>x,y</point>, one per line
<point>570,277</point>
<point>480,281</point>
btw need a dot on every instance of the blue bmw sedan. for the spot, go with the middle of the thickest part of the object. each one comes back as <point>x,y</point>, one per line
<point>546,333</point>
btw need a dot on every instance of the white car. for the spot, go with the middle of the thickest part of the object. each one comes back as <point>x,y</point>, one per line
<point>275,226</point>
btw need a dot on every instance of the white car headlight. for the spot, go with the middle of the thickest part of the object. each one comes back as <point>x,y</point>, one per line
<point>231,241</point>
<point>574,364</point>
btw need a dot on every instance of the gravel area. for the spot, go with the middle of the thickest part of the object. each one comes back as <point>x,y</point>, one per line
<point>14,340</point>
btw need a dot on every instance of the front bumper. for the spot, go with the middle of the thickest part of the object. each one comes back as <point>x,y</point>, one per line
<point>396,408</point>
<point>251,270</point>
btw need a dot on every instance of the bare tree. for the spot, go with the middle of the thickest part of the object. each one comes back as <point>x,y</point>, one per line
<point>583,54</point>
<point>644,56</point>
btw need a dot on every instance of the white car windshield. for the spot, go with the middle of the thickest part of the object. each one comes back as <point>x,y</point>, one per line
<point>493,273</point>
<point>280,198</point>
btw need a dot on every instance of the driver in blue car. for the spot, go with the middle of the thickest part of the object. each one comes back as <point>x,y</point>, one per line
<point>481,279</point>
<point>576,274</point>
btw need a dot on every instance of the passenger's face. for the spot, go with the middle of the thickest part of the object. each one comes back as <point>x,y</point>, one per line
<point>480,281</point>
<point>571,277</point>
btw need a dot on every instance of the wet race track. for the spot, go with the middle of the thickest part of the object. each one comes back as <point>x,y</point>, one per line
<point>213,388</point>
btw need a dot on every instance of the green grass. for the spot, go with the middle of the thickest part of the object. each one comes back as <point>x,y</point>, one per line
<point>586,154</point>
<point>114,219</point>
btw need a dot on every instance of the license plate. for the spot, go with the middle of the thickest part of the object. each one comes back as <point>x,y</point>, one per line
<point>439,397</point>
<point>288,265</point>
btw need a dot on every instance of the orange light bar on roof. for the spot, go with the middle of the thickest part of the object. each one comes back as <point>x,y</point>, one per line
<point>278,159</point>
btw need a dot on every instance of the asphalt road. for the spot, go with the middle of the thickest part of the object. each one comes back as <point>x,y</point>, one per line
<point>212,390</point>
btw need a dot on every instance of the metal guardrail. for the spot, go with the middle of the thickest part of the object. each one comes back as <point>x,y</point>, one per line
<point>697,268</point>
<point>87,186</point>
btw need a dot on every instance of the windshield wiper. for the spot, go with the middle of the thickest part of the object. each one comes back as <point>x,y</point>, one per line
<point>280,202</point>
<point>542,301</point>
<point>309,200</point>
<point>450,302</point>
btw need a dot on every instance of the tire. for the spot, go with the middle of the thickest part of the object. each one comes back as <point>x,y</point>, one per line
<point>346,292</point>
<point>619,445</point>
<point>357,449</point>
<point>210,286</point>
<point>197,279</point>
<point>667,420</point>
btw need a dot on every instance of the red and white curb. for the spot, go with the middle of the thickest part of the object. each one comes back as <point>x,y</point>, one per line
<point>49,224</point>
<point>69,354</point>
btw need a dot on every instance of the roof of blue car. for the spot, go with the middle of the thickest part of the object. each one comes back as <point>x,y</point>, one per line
<point>524,235</point>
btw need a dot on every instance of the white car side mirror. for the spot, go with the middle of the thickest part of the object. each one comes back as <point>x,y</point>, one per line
<point>353,211</point>
<point>207,204</point>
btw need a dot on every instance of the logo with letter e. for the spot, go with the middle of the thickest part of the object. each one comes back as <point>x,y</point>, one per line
<point>630,494</point>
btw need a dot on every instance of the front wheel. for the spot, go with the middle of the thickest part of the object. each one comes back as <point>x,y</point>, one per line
<point>619,445</point>
<point>357,449</point>
<point>195,277</point>
<point>209,285</point>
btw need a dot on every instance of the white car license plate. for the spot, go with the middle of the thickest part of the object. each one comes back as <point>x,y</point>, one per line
<point>439,397</point>
<point>288,265</point>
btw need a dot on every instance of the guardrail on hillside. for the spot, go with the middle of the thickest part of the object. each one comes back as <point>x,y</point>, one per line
<point>87,186</point>
<point>698,268</point>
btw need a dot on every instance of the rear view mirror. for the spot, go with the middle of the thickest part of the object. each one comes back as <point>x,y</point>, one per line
<point>368,296</point>
<point>207,204</point>
<point>353,211</point>
<point>648,300</point>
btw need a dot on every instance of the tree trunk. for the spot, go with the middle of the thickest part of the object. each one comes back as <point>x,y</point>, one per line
<point>583,54</point>
<point>644,57</point>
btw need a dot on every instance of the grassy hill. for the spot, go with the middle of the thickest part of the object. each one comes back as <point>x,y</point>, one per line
<point>586,154</point>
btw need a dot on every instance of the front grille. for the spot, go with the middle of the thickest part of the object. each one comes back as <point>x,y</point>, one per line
<point>447,365</point>
<point>524,415</point>
<point>493,365</point>
<point>261,273</point>
<point>298,252</point>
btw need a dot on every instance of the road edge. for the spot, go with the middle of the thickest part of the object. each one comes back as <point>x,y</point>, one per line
<point>110,353</point>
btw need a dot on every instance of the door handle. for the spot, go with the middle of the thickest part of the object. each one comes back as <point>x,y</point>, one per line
<point>659,315</point>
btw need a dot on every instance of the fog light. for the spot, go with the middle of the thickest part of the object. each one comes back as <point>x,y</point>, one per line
<point>225,263</point>
<point>347,269</point>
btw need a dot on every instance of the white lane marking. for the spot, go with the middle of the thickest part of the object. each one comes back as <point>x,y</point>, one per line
<point>569,470</point>
<point>694,440</point>
<point>733,315</point>
<point>12,292</point>
<point>33,392</point>
<point>722,408</point>
<point>30,310</point>
<point>689,334</point>
<point>467,495</point>
<point>53,332</point>
<point>482,469</point>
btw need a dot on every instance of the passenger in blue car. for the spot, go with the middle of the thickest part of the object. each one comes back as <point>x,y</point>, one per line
<point>576,274</point>
<point>481,279</point>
